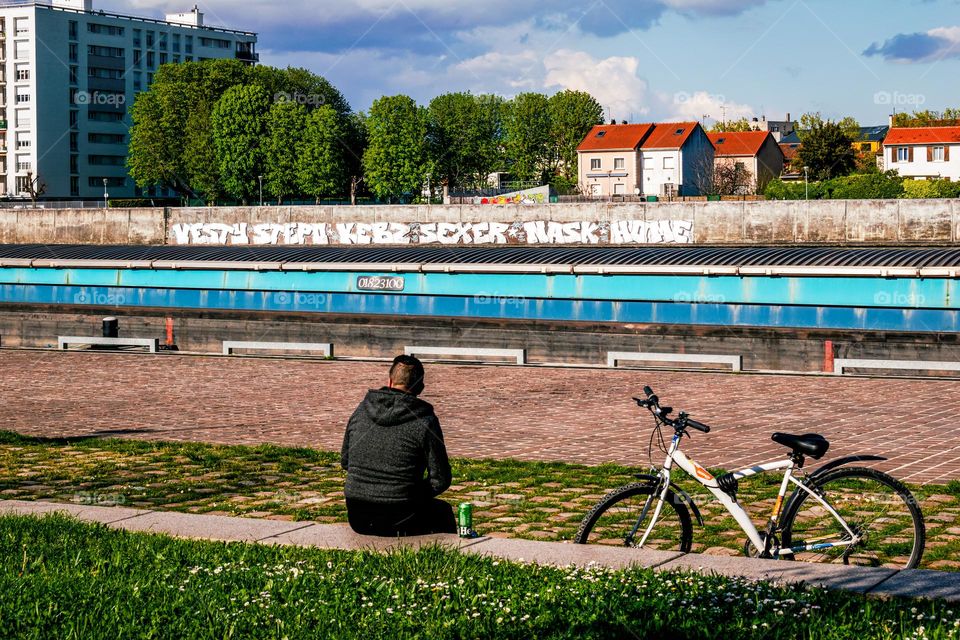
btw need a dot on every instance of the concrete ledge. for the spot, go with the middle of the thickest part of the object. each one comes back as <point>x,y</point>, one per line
<point>519,354</point>
<point>325,348</point>
<point>203,527</point>
<point>87,513</point>
<point>881,582</point>
<point>828,576</point>
<point>735,362</point>
<point>338,536</point>
<point>561,553</point>
<point>152,344</point>
<point>900,365</point>
<point>914,583</point>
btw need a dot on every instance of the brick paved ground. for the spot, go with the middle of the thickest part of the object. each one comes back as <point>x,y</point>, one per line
<point>575,415</point>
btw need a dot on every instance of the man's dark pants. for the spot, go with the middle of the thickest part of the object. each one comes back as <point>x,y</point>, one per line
<point>402,519</point>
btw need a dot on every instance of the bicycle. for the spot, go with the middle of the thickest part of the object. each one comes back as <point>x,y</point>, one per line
<point>837,513</point>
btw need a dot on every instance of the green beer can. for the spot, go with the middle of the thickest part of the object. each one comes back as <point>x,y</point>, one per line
<point>465,520</point>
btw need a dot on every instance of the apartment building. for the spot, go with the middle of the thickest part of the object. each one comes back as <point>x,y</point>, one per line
<point>68,75</point>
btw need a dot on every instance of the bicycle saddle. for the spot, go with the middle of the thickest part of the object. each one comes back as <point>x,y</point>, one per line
<point>811,444</point>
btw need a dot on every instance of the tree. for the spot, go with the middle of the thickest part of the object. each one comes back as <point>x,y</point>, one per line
<point>826,149</point>
<point>200,157</point>
<point>239,124</point>
<point>157,137</point>
<point>286,122</point>
<point>733,179</point>
<point>35,187</point>
<point>396,160</point>
<point>572,115</point>
<point>465,137</point>
<point>321,169</point>
<point>733,126</point>
<point>927,118</point>
<point>527,137</point>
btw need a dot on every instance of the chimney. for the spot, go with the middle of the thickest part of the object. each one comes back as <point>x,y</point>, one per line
<point>788,117</point>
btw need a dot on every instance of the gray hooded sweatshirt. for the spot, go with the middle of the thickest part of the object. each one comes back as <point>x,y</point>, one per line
<point>393,450</point>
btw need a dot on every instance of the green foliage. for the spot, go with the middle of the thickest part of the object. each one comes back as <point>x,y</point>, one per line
<point>286,122</point>
<point>396,160</point>
<point>780,190</point>
<point>740,125</point>
<point>239,125</point>
<point>827,147</point>
<point>321,165</point>
<point>877,186</point>
<point>919,189</point>
<point>527,140</point>
<point>927,118</point>
<point>465,135</point>
<point>200,157</point>
<point>572,115</point>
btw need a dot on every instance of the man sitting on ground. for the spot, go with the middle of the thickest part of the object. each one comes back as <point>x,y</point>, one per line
<point>392,440</point>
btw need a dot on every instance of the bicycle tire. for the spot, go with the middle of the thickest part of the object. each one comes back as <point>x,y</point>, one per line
<point>589,524</point>
<point>893,537</point>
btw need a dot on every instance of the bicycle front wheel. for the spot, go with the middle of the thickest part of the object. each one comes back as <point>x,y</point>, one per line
<point>878,509</point>
<point>622,517</point>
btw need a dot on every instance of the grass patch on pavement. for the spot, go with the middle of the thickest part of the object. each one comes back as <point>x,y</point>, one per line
<point>533,500</point>
<point>65,579</point>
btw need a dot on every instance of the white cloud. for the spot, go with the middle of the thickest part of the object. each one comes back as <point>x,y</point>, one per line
<point>612,81</point>
<point>694,106</point>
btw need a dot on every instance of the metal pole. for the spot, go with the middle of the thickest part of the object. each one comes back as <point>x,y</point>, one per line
<point>260,179</point>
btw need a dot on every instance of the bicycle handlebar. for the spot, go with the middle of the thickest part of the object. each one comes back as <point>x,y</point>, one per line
<point>652,402</point>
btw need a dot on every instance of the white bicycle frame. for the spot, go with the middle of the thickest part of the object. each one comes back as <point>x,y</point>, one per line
<point>701,475</point>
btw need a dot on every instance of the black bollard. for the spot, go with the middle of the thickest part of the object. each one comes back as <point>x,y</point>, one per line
<point>111,328</point>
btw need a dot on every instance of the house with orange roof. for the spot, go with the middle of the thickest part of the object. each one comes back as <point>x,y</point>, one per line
<point>923,152</point>
<point>756,151</point>
<point>663,160</point>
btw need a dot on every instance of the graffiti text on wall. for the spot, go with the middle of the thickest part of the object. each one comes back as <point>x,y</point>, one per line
<point>445,233</point>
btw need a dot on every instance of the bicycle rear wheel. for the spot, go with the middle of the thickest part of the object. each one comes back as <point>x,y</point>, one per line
<point>616,517</point>
<point>875,506</point>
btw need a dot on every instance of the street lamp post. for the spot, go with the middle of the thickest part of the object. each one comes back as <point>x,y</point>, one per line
<point>806,183</point>
<point>429,191</point>
<point>260,180</point>
<point>106,195</point>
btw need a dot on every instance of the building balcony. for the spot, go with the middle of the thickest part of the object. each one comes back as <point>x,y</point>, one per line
<point>3,125</point>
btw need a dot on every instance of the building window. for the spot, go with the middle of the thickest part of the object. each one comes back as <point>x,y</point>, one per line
<point>150,37</point>
<point>23,141</point>
<point>137,81</point>
<point>669,162</point>
<point>21,26</point>
<point>104,52</point>
<point>74,53</point>
<point>214,43</point>
<point>21,50</point>
<point>74,118</point>
<point>23,118</point>
<point>107,161</point>
<point>105,74</point>
<point>73,29</point>
<point>111,182</point>
<point>865,147</point>
<point>163,58</point>
<point>137,38</point>
<point>74,164</point>
<point>23,98</point>
<point>938,155</point>
<point>106,138</point>
<point>163,41</point>
<point>619,189</point>
<point>23,163</point>
<point>176,43</point>
<point>104,29</point>
<point>903,154</point>
<point>595,164</point>
<point>150,59</point>
<point>74,186</point>
<point>188,47</point>
<point>74,141</point>
<point>619,163</point>
<point>105,116</point>
<point>74,74</point>
<point>23,73</point>
<point>137,58</point>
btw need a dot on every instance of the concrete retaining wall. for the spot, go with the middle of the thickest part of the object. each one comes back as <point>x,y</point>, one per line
<point>815,222</point>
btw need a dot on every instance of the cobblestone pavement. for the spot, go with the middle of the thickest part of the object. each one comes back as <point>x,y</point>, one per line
<point>574,415</point>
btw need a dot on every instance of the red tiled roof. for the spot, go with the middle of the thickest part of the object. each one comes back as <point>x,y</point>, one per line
<point>670,135</point>
<point>739,143</point>
<point>789,151</point>
<point>615,137</point>
<point>923,135</point>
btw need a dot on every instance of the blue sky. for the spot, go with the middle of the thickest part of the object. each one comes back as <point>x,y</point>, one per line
<point>642,59</point>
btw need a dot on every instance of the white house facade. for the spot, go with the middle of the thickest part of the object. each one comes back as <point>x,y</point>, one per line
<point>929,153</point>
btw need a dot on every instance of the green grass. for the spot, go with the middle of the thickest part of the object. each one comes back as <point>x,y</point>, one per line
<point>533,500</point>
<point>63,579</point>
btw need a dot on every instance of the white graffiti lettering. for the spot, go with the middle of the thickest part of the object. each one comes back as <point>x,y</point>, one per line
<point>535,232</point>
